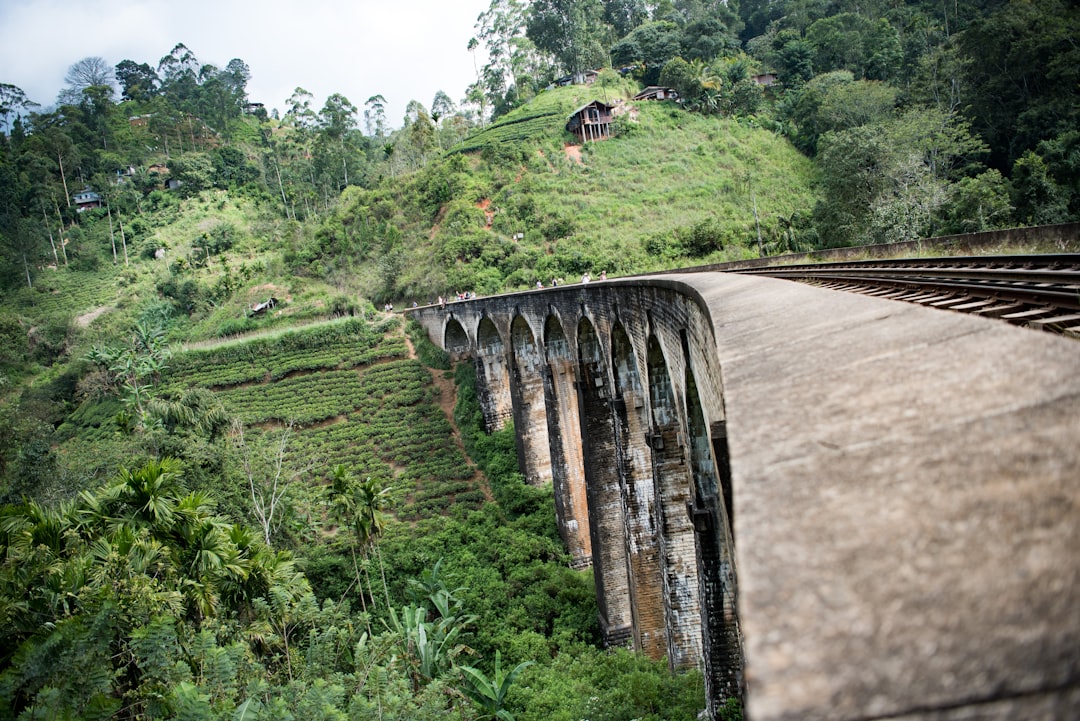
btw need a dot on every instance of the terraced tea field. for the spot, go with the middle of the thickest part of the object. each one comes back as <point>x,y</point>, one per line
<point>353,397</point>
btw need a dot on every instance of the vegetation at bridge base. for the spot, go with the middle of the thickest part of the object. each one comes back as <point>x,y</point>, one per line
<point>156,595</point>
<point>429,354</point>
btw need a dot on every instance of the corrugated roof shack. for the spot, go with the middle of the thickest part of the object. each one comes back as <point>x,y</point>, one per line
<point>591,121</point>
<point>657,92</point>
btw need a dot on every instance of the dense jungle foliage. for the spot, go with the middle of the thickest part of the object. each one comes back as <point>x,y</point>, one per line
<point>234,489</point>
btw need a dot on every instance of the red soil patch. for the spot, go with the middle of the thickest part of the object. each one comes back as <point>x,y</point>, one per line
<point>485,206</point>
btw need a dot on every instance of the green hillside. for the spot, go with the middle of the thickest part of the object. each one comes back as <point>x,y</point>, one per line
<point>521,201</point>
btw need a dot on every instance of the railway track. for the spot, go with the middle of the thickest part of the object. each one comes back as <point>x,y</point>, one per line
<point>1036,291</point>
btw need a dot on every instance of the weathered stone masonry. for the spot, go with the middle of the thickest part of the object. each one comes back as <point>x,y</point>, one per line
<point>596,380</point>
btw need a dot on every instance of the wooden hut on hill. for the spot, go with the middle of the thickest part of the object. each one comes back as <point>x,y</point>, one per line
<point>591,121</point>
<point>657,92</point>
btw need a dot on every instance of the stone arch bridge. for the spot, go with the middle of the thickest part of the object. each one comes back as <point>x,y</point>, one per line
<point>837,506</point>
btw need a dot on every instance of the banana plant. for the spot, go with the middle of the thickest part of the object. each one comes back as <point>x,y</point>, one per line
<point>429,648</point>
<point>490,693</point>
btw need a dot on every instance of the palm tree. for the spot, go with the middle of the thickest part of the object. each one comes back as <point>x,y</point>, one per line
<point>371,521</point>
<point>343,509</point>
<point>149,494</point>
<point>359,507</point>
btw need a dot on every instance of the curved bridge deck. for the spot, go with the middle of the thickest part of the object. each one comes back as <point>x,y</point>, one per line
<point>904,489</point>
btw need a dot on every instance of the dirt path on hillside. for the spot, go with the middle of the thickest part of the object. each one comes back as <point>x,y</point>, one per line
<point>86,319</point>
<point>446,401</point>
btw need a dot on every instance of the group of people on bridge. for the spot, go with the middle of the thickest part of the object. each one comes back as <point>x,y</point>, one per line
<point>556,282</point>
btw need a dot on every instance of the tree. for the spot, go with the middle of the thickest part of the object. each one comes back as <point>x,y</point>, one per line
<point>194,171</point>
<point>836,101</point>
<point>497,27</point>
<point>298,111</point>
<point>97,109</point>
<point>515,71</point>
<point>359,507</point>
<point>847,105</point>
<point>86,73</point>
<point>838,42</point>
<point>739,95</point>
<point>852,161</point>
<point>235,77</point>
<point>442,112</point>
<point>571,30</point>
<point>708,38</point>
<point>884,52</point>
<point>151,494</point>
<point>179,73</point>
<point>793,58</point>
<point>375,116</point>
<point>179,65</point>
<point>268,478</point>
<point>1022,74</point>
<point>978,203</point>
<point>652,44</point>
<point>1062,157</point>
<point>133,368</point>
<point>442,107</point>
<point>625,15</point>
<point>138,81</point>
<point>419,132</point>
<point>909,204</point>
<point>12,100</point>
<point>336,120</point>
<point>888,180</point>
<point>1037,198</point>
<point>685,78</point>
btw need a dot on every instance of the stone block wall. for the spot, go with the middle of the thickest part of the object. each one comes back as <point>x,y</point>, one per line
<point>613,438</point>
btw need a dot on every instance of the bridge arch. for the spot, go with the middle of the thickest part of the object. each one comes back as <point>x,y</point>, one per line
<point>492,378</point>
<point>602,482</point>
<point>682,605</point>
<point>456,340</point>
<point>530,408</point>
<point>715,553</point>
<point>630,414</point>
<point>564,438</point>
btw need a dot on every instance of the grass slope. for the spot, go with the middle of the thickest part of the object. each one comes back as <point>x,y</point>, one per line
<point>537,205</point>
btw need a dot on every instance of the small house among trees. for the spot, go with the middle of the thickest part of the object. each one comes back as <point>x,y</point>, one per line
<point>657,92</point>
<point>591,121</point>
<point>85,199</point>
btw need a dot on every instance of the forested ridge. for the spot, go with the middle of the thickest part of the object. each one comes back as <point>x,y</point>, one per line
<point>213,511</point>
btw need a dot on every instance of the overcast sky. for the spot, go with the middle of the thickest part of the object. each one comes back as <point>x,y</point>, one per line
<point>403,49</point>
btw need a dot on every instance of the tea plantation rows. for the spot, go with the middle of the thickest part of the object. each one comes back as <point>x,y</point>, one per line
<point>352,398</point>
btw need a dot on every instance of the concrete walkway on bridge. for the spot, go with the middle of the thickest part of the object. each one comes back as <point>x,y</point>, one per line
<point>906,517</point>
<point>905,482</point>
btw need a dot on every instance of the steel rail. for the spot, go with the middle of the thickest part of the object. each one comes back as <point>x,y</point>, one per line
<point>1040,291</point>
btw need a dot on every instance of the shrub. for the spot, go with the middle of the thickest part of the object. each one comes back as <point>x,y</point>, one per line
<point>429,354</point>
